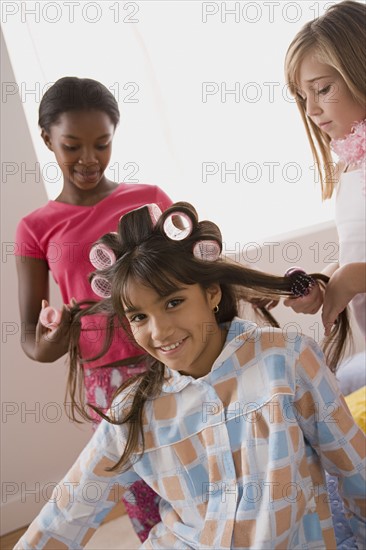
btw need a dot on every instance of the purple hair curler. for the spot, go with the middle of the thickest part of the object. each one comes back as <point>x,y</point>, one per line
<point>302,283</point>
<point>101,256</point>
<point>207,250</point>
<point>50,317</point>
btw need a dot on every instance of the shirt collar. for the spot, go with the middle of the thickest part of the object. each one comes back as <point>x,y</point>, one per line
<point>239,331</point>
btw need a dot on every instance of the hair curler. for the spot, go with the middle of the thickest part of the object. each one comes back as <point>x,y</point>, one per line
<point>101,256</point>
<point>50,317</point>
<point>208,250</point>
<point>178,226</point>
<point>101,286</point>
<point>302,283</point>
<point>153,209</point>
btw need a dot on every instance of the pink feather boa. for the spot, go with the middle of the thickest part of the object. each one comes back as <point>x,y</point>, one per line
<point>352,149</point>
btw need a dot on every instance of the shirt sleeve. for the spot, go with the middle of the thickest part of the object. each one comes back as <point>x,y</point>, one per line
<point>330,429</point>
<point>84,497</point>
<point>27,242</point>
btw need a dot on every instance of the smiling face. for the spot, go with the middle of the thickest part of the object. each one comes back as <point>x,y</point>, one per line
<point>180,329</point>
<point>82,144</point>
<point>327,99</point>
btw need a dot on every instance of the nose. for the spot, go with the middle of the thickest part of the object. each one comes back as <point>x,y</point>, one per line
<point>313,107</point>
<point>88,156</point>
<point>161,329</point>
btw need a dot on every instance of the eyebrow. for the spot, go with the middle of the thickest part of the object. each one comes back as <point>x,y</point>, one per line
<point>132,308</point>
<point>74,137</point>
<point>318,78</point>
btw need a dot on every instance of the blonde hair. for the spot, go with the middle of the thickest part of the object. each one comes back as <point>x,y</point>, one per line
<point>337,39</point>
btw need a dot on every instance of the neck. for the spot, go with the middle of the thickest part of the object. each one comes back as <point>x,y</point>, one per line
<point>71,194</point>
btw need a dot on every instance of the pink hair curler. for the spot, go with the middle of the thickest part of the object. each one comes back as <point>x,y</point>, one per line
<point>178,226</point>
<point>50,317</point>
<point>207,250</point>
<point>154,211</point>
<point>101,287</point>
<point>101,256</point>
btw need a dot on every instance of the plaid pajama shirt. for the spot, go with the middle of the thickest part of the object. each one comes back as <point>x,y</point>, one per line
<point>237,456</point>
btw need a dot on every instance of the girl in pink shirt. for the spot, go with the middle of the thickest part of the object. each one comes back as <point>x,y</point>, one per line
<point>78,118</point>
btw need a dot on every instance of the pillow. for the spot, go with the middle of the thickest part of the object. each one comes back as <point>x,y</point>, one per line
<point>356,402</point>
<point>351,374</point>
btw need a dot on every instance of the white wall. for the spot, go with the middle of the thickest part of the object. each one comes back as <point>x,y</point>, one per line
<point>38,442</point>
<point>205,110</point>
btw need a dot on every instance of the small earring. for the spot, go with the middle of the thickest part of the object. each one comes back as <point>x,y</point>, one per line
<point>216,309</point>
<point>80,161</point>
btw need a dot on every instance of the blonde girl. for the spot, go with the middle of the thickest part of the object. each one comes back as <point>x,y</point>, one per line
<point>326,71</point>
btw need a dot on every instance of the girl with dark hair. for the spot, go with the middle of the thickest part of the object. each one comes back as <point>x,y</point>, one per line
<point>78,119</point>
<point>232,425</point>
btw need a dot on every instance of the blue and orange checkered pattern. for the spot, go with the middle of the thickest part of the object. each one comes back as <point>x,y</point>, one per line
<point>237,456</point>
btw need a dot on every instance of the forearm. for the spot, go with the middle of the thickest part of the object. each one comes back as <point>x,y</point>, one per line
<point>330,269</point>
<point>42,348</point>
<point>73,513</point>
<point>332,432</point>
<point>356,273</point>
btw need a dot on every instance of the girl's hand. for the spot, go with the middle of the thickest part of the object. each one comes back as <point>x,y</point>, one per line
<point>52,342</point>
<point>307,304</point>
<point>343,285</point>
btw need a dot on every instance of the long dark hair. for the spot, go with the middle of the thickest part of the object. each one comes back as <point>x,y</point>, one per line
<point>146,255</point>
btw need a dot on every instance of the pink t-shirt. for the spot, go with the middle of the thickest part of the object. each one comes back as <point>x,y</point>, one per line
<point>62,234</point>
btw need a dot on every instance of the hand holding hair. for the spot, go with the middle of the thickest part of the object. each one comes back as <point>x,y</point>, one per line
<point>50,317</point>
<point>53,331</point>
<point>345,283</point>
<point>307,294</point>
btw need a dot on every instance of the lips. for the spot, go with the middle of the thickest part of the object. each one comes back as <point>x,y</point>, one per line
<point>88,175</point>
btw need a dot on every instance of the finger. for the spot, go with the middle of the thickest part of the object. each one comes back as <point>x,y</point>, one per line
<point>290,302</point>
<point>328,319</point>
<point>328,329</point>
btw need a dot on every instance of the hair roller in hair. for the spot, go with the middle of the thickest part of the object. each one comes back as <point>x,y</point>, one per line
<point>301,281</point>
<point>153,209</point>
<point>101,287</point>
<point>50,317</point>
<point>178,225</point>
<point>154,212</point>
<point>101,256</point>
<point>208,250</point>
